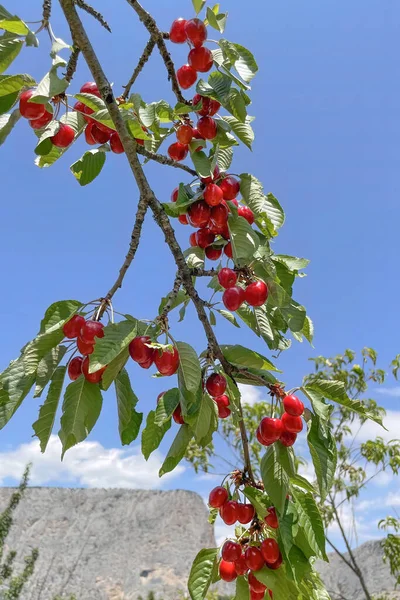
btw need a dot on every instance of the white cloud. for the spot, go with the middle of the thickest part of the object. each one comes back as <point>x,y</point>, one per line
<point>251,394</point>
<point>393,499</point>
<point>88,464</point>
<point>370,430</point>
<point>394,392</point>
<point>222,531</point>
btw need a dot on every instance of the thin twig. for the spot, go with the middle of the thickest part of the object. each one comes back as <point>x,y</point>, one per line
<point>46,11</point>
<point>342,556</point>
<point>142,61</point>
<point>158,36</point>
<point>72,64</point>
<point>81,39</point>
<point>164,160</point>
<point>94,13</point>
<point>203,272</point>
<point>171,296</point>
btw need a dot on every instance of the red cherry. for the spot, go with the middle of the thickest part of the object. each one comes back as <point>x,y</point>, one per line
<point>207,127</point>
<point>88,111</point>
<point>227,278</point>
<point>90,88</point>
<point>184,134</point>
<point>234,201</point>
<point>42,121</point>
<point>254,558</point>
<point>177,33</point>
<point>177,415</point>
<point>75,368</point>
<point>90,330</point>
<point>64,136</point>
<point>147,363</point>
<point>260,438</point>
<point>88,135</point>
<point>246,213</point>
<point>214,107</point>
<point>256,585</point>
<point>271,519</point>
<point>116,144</point>
<point>271,429</point>
<point>213,253</point>
<point>231,551</point>
<point>213,194</point>
<point>210,179</point>
<point>228,512</point>
<point>218,496</point>
<point>201,59</point>
<point>256,293</point>
<point>30,110</point>
<point>84,348</point>
<point>227,570</point>
<point>79,107</point>
<point>216,385</point>
<point>138,350</point>
<point>223,403</point>
<point>228,252</point>
<point>186,76</point>
<point>167,362</point>
<point>219,215</point>
<point>233,297</point>
<point>240,566</point>
<point>230,187</point>
<point>205,237</point>
<point>174,195</point>
<point>193,239</point>
<point>105,128</point>
<point>276,564</point>
<point>196,32</point>
<point>72,328</point>
<point>292,424</point>
<point>293,406</point>
<point>288,439</point>
<point>197,136</point>
<point>178,151</point>
<point>256,595</point>
<point>246,513</point>
<point>99,135</point>
<point>205,104</point>
<point>270,550</point>
<point>199,214</point>
<point>183,219</point>
<point>92,377</point>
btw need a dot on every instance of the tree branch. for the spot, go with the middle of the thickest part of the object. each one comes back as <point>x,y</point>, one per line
<point>81,39</point>
<point>46,11</point>
<point>94,13</point>
<point>342,556</point>
<point>158,37</point>
<point>72,64</point>
<point>142,61</point>
<point>164,160</point>
<point>171,296</point>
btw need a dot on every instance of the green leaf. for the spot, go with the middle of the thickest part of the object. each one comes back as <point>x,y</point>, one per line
<point>259,500</point>
<point>59,313</point>
<point>51,85</point>
<point>89,166</point>
<point>253,194</point>
<point>46,368</point>
<point>78,123</point>
<point>242,589</point>
<point>323,452</point>
<point>243,238</point>
<point>166,406</point>
<point>278,582</point>
<point>245,64</point>
<point>129,421</point>
<point>14,25</point>
<point>93,102</point>
<point>275,479</point>
<point>237,105</point>
<point>81,409</point>
<point>224,158</point>
<point>47,414</point>
<point>189,366</point>
<point>195,257</point>
<point>7,102</point>
<point>229,317</point>
<point>302,482</point>
<point>14,83</point>
<point>243,131</point>
<point>308,329</point>
<point>274,210</point>
<point>117,336</point>
<point>198,5</point>
<point>292,262</point>
<point>152,434</point>
<point>201,573</point>
<point>207,420</point>
<point>7,123</point>
<point>9,50</point>
<point>320,407</point>
<point>177,450</point>
<point>113,368</point>
<point>244,357</point>
<point>310,521</point>
<point>202,164</point>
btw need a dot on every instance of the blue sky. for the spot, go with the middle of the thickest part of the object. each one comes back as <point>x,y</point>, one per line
<point>326,105</point>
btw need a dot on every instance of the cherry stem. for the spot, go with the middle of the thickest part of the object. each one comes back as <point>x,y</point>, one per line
<point>142,61</point>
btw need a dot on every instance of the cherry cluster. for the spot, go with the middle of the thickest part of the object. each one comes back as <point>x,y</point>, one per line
<point>200,58</point>
<point>166,360</point>
<point>216,387</point>
<point>248,554</point>
<point>255,293</point>
<point>85,332</point>
<point>39,117</point>
<point>284,429</point>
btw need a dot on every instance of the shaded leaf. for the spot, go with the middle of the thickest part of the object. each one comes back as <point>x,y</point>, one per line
<point>244,357</point>
<point>243,238</point>
<point>323,452</point>
<point>43,427</point>
<point>89,166</point>
<point>129,420</point>
<point>117,336</point>
<point>275,479</point>
<point>46,368</point>
<point>153,434</point>
<point>9,50</point>
<point>201,573</point>
<point>7,123</point>
<point>114,367</point>
<point>177,450</point>
<point>14,83</point>
<point>166,406</point>
<point>243,131</point>
<point>189,366</point>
